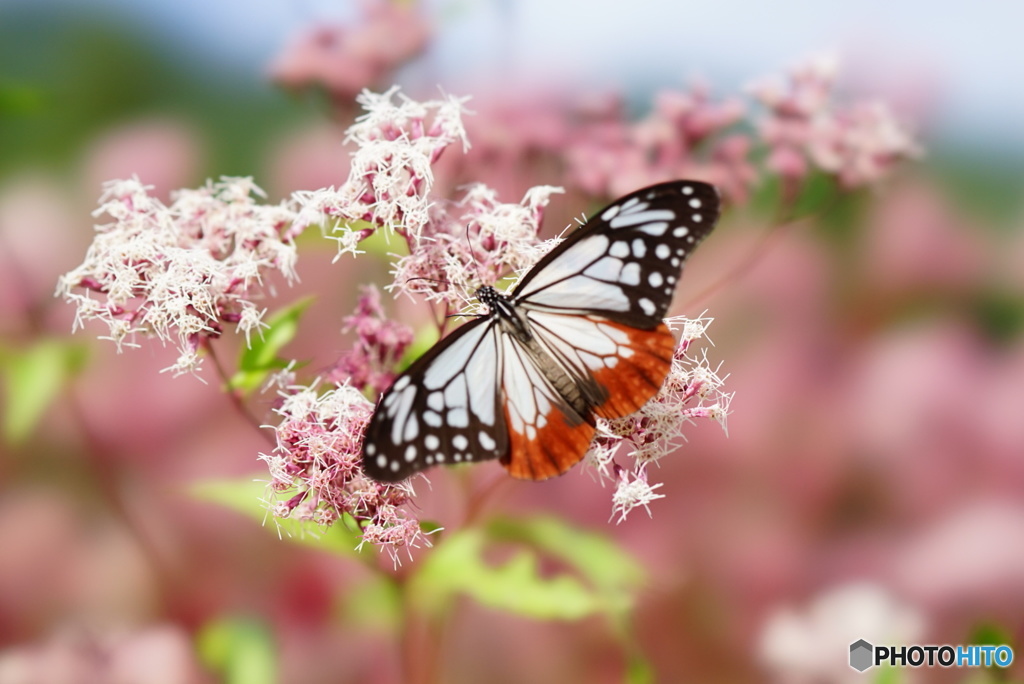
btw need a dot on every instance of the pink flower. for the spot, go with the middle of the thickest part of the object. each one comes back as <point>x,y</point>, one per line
<point>917,241</point>
<point>343,60</point>
<point>371,362</point>
<point>972,556</point>
<point>684,136</point>
<point>316,472</point>
<point>166,152</point>
<point>519,137</point>
<point>858,142</point>
<point>861,144</point>
<point>153,655</point>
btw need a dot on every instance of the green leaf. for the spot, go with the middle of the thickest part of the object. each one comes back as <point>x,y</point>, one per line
<point>261,358</point>
<point>457,566</point>
<point>888,675</point>
<point>246,496</point>
<point>240,650</point>
<point>431,527</point>
<point>381,242</point>
<point>603,563</point>
<point>638,670</point>
<point>375,604</point>
<point>817,194</point>
<point>282,327</point>
<point>34,377</point>
<point>1000,315</point>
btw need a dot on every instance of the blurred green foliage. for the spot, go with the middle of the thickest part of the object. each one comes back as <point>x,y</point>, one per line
<point>247,496</point>
<point>240,650</point>
<point>33,378</point>
<point>71,73</point>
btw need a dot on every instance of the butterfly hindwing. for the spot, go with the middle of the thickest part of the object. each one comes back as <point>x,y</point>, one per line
<point>547,436</point>
<point>624,263</point>
<point>625,366</point>
<point>444,409</point>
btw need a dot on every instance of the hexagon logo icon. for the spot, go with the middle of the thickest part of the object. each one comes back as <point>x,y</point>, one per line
<point>861,655</point>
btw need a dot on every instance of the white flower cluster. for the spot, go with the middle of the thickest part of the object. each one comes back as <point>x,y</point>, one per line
<point>472,243</point>
<point>692,390</point>
<point>809,645</point>
<point>180,272</point>
<point>391,177</point>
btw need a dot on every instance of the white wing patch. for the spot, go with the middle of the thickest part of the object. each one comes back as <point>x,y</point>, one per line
<point>582,293</point>
<point>619,269</point>
<point>633,218</point>
<point>581,344</point>
<point>450,363</point>
<point>529,398</point>
<point>451,414</point>
<point>571,262</point>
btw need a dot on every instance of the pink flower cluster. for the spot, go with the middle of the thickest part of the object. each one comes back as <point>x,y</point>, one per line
<point>859,142</point>
<point>317,466</point>
<point>692,390</point>
<point>471,243</point>
<point>181,272</point>
<point>379,346</point>
<point>343,60</point>
<point>691,134</point>
<point>686,135</point>
<point>189,268</point>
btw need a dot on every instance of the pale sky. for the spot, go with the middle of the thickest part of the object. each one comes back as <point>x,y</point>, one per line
<point>971,53</point>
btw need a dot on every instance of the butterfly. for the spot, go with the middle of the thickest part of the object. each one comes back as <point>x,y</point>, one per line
<point>580,337</point>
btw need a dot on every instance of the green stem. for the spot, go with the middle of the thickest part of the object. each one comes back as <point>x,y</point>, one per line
<point>234,394</point>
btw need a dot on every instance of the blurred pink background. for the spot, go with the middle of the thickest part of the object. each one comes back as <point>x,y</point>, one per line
<point>876,353</point>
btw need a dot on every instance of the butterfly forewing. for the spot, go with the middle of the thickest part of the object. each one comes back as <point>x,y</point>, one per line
<point>595,345</point>
<point>444,409</point>
<point>624,263</point>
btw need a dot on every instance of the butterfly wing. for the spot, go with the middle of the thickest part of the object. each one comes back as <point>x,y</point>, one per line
<point>620,366</point>
<point>624,263</point>
<point>617,368</point>
<point>444,409</point>
<point>596,302</point>
<point>546,435</point>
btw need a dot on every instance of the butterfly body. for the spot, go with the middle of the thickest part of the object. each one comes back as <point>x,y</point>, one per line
<point>577,393</point>
<point>581,337</point>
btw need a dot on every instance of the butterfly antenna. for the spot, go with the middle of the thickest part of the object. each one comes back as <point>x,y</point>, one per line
<point>469,243</point>
<point>433,280</point>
